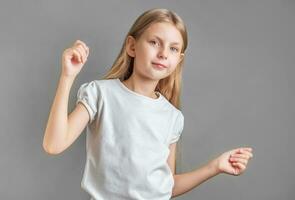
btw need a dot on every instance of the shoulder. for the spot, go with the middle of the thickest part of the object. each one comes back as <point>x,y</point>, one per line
<point>171,107</point>
<point>176,116</point>
<point>94,87</point>
<point>104,83</point>
<point>98,85</point>
<point>179,117</point>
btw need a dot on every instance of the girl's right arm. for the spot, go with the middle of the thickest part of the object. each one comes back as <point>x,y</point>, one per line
<point>62,130</point>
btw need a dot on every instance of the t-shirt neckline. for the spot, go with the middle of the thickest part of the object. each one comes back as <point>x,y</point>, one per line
<point>137,94</point>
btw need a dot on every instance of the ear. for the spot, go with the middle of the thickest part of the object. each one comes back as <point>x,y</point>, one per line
<point>181,57</point>
<point>130,45</point>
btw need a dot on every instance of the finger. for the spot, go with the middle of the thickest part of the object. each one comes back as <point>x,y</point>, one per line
<point>82,52</point>
<point>249,149</point>
<point>80,43</point>
<point>245,156</point>
<point>77,55</point>
<point>239,160</point>
<point>238,150</point>
<point>242,151</point>
<point>247,153</point>
<point>68,53</point>
<point>239,165</point>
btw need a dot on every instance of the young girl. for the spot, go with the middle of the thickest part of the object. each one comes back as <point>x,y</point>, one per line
<point>133,116</point>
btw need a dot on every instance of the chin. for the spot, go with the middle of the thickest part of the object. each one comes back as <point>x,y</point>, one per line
<point>155,75</point>
<point>159,77</point>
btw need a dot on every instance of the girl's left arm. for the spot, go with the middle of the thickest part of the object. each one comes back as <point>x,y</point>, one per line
<point>232,162</point>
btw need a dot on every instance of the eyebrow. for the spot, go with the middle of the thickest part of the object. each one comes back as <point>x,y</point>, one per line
<point>162,40</point>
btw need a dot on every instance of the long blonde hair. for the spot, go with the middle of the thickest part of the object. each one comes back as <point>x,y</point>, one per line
<point>122,68</point>
<point>170,87</point>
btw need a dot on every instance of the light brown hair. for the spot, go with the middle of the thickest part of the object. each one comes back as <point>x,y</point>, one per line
<point>170,87</point>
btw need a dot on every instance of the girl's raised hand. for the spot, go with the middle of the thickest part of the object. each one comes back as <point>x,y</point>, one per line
<point>233,162</point>
<point>74,58</point>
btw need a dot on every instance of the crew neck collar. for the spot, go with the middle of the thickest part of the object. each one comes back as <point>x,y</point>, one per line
<point>137,94</point>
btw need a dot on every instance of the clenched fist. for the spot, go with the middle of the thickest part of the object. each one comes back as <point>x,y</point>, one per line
<point>233,162</point>
<point>74,58</point>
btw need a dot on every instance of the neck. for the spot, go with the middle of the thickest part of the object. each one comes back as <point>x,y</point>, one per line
<point>142,86</point>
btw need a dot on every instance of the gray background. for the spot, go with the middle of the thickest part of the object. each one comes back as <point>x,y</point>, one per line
<point>237,90</point>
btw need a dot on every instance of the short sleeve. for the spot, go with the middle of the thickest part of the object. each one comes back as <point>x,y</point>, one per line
<point>178,128</point>
<point>89,95</point>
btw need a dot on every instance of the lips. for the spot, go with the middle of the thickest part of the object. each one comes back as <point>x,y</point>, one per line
<point>160,64</point>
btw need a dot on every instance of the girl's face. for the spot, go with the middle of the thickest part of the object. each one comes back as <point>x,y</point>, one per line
<point>160,43</point>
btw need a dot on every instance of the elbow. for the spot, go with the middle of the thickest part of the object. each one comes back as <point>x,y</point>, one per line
<point>174,194</point>
<point>173,191</point>
<point>52,147</point>
<point>50,150</point>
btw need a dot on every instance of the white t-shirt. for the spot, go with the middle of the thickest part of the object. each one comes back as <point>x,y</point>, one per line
<point>127,142</point>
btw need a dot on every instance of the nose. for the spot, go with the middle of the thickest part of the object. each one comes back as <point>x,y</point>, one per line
<point>162,53</point>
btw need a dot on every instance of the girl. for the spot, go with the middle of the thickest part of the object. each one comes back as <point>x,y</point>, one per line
<point>133,116</point>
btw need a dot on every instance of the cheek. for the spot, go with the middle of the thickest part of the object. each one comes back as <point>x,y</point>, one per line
<point>172,69</point>
<point>173,65</point>
<point>144,53</point>
<point>174,62</point>
<point>149,52</point>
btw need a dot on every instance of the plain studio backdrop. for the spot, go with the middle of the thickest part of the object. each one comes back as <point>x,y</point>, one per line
<point>238,90</point>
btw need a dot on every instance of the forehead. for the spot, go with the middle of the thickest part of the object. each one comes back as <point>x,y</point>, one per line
<point>166,31</point>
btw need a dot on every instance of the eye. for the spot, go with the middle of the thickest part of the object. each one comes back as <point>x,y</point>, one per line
<point>153,42</point>
<point>175,49</point>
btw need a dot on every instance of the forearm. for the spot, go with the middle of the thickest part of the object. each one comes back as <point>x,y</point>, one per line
<point>56,128</point>
<point>187,181</point>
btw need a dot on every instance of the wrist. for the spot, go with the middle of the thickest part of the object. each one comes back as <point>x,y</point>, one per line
<point>213,166</point>
<point>66,78</point>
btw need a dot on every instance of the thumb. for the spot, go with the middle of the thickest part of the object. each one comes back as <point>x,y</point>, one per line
<point>241,150</point>
<point>238,150</point>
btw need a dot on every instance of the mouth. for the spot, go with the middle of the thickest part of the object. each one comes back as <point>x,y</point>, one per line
<point>159,65</point>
